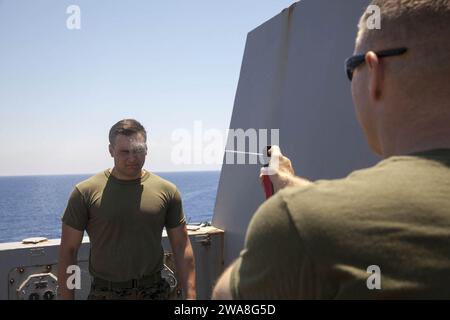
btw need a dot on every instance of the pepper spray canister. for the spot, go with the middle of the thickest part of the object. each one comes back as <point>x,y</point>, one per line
<point>267,183</point>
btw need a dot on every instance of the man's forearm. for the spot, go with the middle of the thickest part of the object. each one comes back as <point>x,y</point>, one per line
<point>66,258</point>
<point>297,181</point>
<point>185,269</point>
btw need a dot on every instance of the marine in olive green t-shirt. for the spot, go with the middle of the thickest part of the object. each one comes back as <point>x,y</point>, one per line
<point>317,242</point>
<point>124,221</point>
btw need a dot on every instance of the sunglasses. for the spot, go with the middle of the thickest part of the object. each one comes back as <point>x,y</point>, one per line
<point>354,61</point>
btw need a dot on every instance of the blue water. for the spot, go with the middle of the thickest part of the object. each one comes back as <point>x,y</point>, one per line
<point>33,205</point>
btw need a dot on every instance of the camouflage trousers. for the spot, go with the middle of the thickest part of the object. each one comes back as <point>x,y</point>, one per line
<point>157,291</point>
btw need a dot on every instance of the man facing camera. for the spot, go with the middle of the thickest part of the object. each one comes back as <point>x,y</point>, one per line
<point>124,211</point>
<point>382,232</point>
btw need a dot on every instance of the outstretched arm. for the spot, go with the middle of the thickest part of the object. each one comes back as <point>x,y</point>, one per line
<point>281,172</point>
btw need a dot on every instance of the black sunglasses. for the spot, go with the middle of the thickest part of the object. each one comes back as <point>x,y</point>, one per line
<point>354,61</point>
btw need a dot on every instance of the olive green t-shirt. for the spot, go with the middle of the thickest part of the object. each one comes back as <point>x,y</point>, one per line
<point>124,221</point>
<point>326,240</point>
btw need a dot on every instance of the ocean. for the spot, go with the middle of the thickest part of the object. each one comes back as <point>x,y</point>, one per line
<point>32,206</point>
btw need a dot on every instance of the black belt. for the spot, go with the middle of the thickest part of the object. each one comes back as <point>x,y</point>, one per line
<point>133,283</point>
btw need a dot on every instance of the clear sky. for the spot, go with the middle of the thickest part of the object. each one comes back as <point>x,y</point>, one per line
<point>165,63</point>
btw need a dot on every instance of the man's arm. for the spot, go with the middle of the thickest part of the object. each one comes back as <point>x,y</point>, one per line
<point>184,259</point>
<point>273,262</point>
<point>222,289</point>
<point>68,252</point>
<point>281,172</point>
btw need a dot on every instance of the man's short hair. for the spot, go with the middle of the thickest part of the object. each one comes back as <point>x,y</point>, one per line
<point>127,127</point>
<point>420,20</point>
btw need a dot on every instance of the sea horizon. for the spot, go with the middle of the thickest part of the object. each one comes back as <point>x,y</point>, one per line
<point>93,173</point>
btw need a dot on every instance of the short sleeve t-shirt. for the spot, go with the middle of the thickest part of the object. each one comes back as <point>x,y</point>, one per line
<point>124,220</point>
<point>380,233</point>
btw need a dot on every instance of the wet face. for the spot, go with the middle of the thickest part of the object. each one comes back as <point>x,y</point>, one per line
<point>129,154</point>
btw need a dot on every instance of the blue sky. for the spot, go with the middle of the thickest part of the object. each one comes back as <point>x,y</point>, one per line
<point>165,63</point>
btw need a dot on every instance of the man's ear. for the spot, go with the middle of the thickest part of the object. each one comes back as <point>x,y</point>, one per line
<point>110,147</point>
<point>376,75</point>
